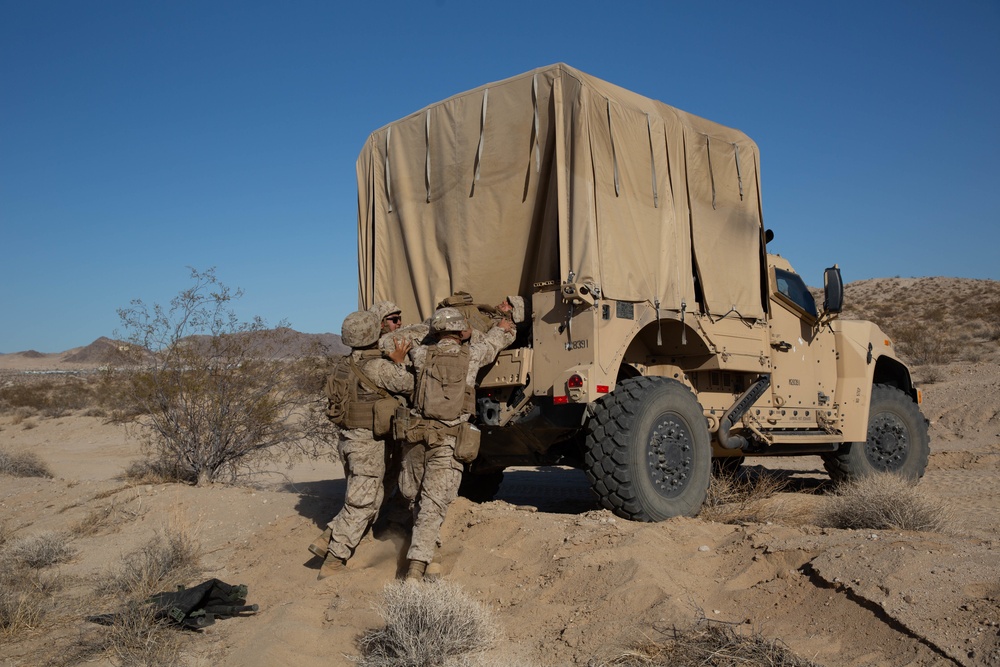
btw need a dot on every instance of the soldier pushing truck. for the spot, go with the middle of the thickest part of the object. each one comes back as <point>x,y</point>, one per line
<point>659,333</point>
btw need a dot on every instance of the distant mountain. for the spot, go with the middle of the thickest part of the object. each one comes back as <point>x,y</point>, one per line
<point>284,343</point>
<point>292,344</point>
<point>97,352</point>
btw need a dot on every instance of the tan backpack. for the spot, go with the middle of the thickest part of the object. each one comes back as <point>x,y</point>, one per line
<point>352,397</point>
<point>442,392</point>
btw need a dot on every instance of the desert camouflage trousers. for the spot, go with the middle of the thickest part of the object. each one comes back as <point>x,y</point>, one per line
<point>364,467</point>
<point>430,477</point>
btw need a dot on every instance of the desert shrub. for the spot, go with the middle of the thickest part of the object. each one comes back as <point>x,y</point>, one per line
<point>23,464</point>
<point>162,562</point>
<point>27,588</point>
<point>39,551</point>
<point>51,397</point>
<point>26,597</point>
<point>157,471</point>
<point>109,517</point>
<point>20,414</point>
<point>931,374</point>
<point>924,345</point>
<point>136,638</point>
<point>204,391</point>
<point>741,496</point>
<point>427,624</point>
<point>882,502</point>
<point>711,644</point>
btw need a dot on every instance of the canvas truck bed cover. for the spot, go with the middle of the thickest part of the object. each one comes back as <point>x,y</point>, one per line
<point>552,173</point>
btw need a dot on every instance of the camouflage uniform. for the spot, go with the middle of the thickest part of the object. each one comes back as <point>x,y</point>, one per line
<point>364,458</point>
<point>363,454</point>
<point>431,475</point>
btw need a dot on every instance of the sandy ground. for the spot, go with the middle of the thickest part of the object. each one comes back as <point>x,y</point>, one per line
<point>569,582</point>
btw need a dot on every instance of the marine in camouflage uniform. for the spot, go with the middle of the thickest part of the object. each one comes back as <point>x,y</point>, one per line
<point>393,337</point>
<point>363,454</point>
<point>431,474</point>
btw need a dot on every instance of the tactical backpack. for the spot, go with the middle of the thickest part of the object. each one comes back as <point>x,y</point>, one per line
<point>353,400</point>
<point>480,316</point>
<point>196,607</point>
<point>442,392</point>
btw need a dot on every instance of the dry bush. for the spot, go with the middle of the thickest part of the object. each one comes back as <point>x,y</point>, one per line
<point>23,464</point>
<point>26,597</point>
<point>205,391</point>
<point>52,397</point>
<point>21,414</point>
<point>156,566</point>
<point>883,502</point>
<point>135,638</point>
<point>925,344</point>
<point>38,551</point>
<point>131,634</point>
<point>710,644</point>
<point>930,374</point>
<point>111,517</point>
<point>158,471</point>
<point>427,624</point>
<point>741,497</point>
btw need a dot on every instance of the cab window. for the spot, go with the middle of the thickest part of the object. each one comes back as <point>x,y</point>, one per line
<point>792,286</point>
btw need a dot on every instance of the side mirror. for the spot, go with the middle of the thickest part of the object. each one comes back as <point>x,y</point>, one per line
<point>833,290</point>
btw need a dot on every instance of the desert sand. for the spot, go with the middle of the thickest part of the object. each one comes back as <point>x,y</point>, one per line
<point>569,582</point>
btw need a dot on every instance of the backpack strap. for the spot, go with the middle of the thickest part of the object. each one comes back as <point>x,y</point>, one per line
<point>366,381</point>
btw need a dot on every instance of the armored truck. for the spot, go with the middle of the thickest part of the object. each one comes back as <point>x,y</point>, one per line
<point>661,336</point>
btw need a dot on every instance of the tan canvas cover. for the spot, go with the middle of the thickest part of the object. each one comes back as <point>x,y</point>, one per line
<point>553,173</point>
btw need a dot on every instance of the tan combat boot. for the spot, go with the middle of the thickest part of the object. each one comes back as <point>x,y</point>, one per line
<point>331,565</point>
<point>415,571</point>
<point>319,546</point>
<point>433,571</point>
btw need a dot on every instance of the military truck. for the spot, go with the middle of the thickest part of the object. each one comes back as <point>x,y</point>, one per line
<point>661,335</point>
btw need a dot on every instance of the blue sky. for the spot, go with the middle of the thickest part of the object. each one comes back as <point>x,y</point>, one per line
<point>138,138</point>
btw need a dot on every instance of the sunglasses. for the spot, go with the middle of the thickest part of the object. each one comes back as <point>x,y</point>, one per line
<point>393,318</point>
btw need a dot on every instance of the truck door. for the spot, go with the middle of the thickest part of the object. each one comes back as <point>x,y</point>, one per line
<point>802,353</point>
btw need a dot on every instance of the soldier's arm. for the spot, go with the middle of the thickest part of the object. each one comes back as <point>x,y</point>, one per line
<point>496,339</point>
<point>387,374</point>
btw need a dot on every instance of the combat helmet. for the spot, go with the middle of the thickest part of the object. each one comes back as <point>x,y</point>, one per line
<point>448,319</point>
<point>383,308</point>
<point>360,329</point>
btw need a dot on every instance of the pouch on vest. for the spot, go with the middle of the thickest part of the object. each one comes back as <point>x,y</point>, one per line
<point>363,410</point>
<point>406,427</point>
<point>382,415</point>
<point>467,442</point>
<point>441,389</point>
<point>338,391</point>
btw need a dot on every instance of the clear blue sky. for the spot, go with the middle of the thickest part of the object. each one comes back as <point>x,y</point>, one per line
<point>139,138</point>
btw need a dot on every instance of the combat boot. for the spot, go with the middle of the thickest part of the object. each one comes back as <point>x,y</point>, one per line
<point>415,571</point>
<point>331,565</point>
<point>320,544</point>
<point>433,571</point>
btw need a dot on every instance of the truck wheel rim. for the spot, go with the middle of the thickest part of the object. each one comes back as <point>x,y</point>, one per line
<point>887,443</point>
<point>668,453</point>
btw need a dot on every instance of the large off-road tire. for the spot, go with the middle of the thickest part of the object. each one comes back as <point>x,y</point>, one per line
<point>897,441</point>
<point>647,452</point>
<point>480,488</point>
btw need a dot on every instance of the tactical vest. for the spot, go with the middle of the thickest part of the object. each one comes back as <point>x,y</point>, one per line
<point>480,316</point>
<point>351,399</point>
<point>442,392</point>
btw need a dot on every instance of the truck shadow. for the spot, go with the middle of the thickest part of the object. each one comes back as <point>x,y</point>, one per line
<point>549,489</point>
